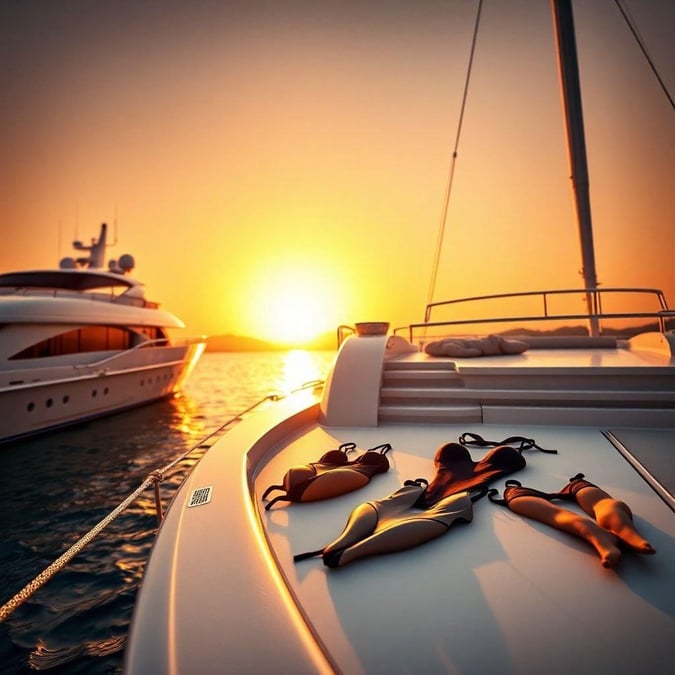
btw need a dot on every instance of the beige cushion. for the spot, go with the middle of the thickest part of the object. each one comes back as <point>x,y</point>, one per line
<point>491,345</point>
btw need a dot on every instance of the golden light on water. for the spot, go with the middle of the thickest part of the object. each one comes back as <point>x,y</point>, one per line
<point>186,418</point>
<point>301,366</point>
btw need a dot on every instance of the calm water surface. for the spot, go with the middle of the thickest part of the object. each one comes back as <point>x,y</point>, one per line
<point>55,488</point>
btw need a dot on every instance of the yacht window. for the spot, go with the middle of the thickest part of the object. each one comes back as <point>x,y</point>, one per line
<point>152,332</point>
<point>85,339</point>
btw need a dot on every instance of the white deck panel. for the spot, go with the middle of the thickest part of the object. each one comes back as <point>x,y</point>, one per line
<point>503,594</point>
<point>555,358</point>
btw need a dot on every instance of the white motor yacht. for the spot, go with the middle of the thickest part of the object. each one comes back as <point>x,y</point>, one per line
<point>82,341</point>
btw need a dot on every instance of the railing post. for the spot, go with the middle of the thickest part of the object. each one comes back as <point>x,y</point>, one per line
<point>157,479</point>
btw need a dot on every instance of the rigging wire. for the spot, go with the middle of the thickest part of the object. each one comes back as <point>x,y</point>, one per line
<point>630,22</point>
<point>444,215</point>
<point>446,201</point>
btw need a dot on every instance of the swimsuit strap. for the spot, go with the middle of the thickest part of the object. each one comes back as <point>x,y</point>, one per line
<point>478,494</point>
<point>374,455</point>
<point>419,482</point>
<point>305,556</point>
<point>384,448</point>
<point>339,456</point>
<point>468,438</point>
<point>335,458</point>
<point>372,461</point>
<point>271,488</point>
<point>576,483</point>
<point>492,496</point>
<point>278,498</point>
<point>493,492</point>
<point>513,489</point>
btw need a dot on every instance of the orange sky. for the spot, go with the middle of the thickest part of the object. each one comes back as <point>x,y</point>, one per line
<point>285,163</point>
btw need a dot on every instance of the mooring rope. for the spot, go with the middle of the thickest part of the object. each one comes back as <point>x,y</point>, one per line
<point>62,561</point>
<point>153,478</point>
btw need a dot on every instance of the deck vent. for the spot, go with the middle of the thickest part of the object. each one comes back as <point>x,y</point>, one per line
<point>200,496</point>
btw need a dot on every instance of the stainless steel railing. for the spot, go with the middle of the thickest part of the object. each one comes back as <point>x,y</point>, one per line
<point>595,314</point>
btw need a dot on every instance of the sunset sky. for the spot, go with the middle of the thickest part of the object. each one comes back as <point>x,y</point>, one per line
<point>279,168</point>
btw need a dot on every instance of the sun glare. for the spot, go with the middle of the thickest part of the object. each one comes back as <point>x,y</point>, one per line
<point>300,367</point>
<point>294,315</point>
<point>293,308</point>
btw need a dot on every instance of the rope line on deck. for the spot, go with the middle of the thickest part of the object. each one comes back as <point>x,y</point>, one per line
<point>153,478</point>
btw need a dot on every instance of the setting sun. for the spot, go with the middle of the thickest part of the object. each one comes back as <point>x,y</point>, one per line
<point>294,305</point>
<point>294,314</point>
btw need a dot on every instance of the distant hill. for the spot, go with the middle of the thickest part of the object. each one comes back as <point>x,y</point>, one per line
<point>238,343</point>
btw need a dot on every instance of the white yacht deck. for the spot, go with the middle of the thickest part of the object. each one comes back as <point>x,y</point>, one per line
<point>622,356</point>
<point>460,603</point>
<point>502,594</point>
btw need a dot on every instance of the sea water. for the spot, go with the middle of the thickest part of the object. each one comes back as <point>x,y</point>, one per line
<point>56,487</point>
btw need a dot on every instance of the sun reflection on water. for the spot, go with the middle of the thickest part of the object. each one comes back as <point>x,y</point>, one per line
<point>301,366</point>
<point>186,419</point>
<point>58,486</point>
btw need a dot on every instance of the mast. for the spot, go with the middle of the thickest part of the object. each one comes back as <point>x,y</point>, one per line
<point>96,259</point>
<point>568,67</point>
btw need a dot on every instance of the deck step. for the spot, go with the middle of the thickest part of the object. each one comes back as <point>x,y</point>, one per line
<point>418,374</point>
<point>428,365</point>
<point>430,413</point>
<point>416,394</point>
<point>434,391</point>
<point>448,395</point>
<point>425,391</point>
<point>413,377</point>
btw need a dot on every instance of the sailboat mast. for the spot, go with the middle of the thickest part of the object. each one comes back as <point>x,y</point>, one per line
<point>568,66</point>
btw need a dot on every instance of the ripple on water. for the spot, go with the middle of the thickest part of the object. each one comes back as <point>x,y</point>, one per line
<point>57,487</point>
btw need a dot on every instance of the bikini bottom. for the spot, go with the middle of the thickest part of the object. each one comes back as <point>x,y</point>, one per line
<point>513,489</point>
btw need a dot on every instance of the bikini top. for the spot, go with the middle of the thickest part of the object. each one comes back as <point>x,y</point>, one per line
<point>334,474</point>
<point>456,471</point>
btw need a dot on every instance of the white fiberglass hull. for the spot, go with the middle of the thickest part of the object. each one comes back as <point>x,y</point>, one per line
<point>504,594</point>
<point>40,399</point>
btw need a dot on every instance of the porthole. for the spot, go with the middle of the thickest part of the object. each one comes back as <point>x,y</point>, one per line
<point>50,402</point>
<point>105,391</point>
<point>142,382</point>
<point>31,406</point>
<point>66,399</point>
<point>94,393</point>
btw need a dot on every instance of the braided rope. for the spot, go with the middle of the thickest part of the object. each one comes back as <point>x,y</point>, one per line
<point>154,477</point>
<point>64,559</point>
